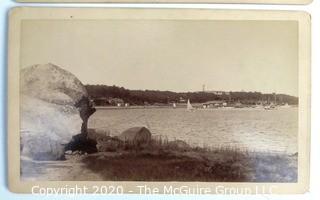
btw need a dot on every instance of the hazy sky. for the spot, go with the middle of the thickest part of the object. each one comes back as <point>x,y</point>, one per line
<point>169,55</point>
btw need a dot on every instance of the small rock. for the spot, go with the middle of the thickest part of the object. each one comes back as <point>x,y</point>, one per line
<point>179,145</point>
<point>136,135</point>
<point>98,134</point>
<point>111,144</point>
<point>69,152</point>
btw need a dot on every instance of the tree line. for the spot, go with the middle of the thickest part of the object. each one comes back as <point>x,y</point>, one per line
<point>142,97</point>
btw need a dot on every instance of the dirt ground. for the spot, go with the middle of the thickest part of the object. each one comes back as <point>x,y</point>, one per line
<point>224,166</point>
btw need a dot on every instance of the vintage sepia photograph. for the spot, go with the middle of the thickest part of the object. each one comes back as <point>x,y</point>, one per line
<point>168,99</point>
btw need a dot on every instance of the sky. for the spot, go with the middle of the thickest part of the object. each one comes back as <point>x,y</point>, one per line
<point>174,55</point>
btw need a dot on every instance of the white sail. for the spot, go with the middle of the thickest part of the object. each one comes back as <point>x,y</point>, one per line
<point>189,106</point>
<point>174,105</point>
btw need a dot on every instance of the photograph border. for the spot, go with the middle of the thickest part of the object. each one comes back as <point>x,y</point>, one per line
<point>18,14</point>
<point>284,2</point>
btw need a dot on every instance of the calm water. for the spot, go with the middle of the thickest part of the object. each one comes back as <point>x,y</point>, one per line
<point>255,129</point>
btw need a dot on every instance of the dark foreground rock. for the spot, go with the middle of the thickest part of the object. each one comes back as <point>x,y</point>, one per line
<point>81,143</point>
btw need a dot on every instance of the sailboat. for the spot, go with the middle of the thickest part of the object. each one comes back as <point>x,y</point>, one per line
<point>189,106</point>
<point>174,105</point>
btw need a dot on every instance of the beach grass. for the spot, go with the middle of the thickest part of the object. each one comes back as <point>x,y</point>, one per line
<point>164,160</point>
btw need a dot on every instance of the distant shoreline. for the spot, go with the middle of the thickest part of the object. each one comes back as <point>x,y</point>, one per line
<point>131,107</point>
<point>104,95</point>
<point>179,107</point>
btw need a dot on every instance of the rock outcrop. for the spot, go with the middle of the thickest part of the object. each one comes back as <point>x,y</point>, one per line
<point>54,107</point>
<point>51,84</point>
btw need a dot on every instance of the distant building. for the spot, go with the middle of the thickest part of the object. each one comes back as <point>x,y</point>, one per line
<point>216,103</point>
<point>116,102</point>
<point>219,93</point>
<point>104,101</point>
<point>182,100</point>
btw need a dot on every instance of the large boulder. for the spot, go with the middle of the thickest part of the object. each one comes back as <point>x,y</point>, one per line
<point>49,112</point>
<point>136,135</point>
<point>52,84</point>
